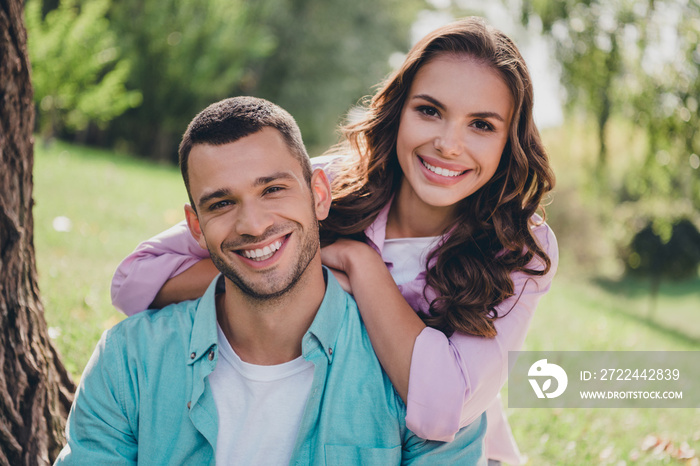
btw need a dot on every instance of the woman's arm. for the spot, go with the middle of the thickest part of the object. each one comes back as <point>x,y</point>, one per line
<point>138,281</point>
<point>454,380</point>
<point>391,323</point>
<point>446,382</point>
<point>190,284</point>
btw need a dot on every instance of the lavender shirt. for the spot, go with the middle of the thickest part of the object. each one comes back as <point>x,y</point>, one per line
<point>452,380</point>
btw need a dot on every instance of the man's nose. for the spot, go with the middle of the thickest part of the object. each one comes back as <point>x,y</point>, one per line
<point>253,219</point>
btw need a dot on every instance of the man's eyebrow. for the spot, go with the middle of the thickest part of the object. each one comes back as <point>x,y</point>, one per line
<point>219,193</point>
<point>439,105</point>
<point>263,180</point>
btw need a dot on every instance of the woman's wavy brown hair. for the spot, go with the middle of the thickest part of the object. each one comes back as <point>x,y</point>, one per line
<point>491,236</point>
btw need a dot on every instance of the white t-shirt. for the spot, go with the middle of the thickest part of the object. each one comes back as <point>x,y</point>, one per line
<point>260,407</point>
<point>408,255</point>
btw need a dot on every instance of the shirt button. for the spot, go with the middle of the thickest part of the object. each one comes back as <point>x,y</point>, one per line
<point>193,355</point>
<point>189,404</point>
<point>211,355</point>
<point>330,351</point>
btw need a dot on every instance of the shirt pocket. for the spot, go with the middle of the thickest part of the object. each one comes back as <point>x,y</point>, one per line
<point>353,455</point>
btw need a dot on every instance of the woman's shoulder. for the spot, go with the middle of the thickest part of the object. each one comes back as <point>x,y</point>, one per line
<point>330,163</point>
<point>544,235</point>
<point>328,160</point>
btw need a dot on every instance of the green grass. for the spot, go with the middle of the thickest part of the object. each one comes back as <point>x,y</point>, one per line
<point>114,201</point>
<point>580,315</point>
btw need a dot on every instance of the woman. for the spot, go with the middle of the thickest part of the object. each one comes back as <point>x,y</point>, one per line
<point>443,179</point>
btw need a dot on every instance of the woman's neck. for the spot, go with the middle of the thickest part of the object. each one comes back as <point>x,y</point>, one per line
<point>410,217</point>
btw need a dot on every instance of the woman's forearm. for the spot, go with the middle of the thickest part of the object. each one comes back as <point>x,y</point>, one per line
<point>392,325</point>
<point>190,284</point>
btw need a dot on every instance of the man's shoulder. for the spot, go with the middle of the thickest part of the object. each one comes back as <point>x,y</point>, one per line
<point>152,328</point>
<point>361,359</point>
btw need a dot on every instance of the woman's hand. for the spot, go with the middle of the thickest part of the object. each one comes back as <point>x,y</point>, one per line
<point>346,254</point>
<point>343,256</point>
<point>342,279</point>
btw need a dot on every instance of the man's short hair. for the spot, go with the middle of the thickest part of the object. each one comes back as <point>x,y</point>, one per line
<point>234,118</point>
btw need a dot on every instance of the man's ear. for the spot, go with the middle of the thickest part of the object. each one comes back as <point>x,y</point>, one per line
<point>195,228</point>
<point>321,190</point>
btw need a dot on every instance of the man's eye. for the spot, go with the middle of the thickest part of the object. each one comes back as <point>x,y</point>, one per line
<point>219,205</point>
<point>274,189</point>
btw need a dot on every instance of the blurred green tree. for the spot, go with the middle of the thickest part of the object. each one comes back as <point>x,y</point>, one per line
<point>641,60</point>
<point>316,58</point>
<point>588,38</point>
<point>330,54</point>
<point>666,103</point>
<point>185,54</point>
<point>76,69</point>
<point>659,252</point>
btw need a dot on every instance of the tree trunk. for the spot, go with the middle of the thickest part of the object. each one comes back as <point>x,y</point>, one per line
<point>35,389</point>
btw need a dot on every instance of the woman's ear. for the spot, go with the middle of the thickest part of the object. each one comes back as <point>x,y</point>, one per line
<point>321,190</point>
<point>194,226</point>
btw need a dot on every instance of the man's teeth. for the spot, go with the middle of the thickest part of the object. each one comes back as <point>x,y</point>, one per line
<point>264,253</point>
<point>440,171</point>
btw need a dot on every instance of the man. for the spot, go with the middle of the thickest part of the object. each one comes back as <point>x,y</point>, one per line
<point>272,365</point>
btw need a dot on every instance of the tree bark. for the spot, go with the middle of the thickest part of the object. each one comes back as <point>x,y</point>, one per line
<point>35,389</point>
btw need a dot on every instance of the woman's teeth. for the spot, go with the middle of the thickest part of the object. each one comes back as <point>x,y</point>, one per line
<point>262,254</point>
<point>441,171</point>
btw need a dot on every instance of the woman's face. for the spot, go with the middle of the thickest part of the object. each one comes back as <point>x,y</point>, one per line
<point>453,128</point>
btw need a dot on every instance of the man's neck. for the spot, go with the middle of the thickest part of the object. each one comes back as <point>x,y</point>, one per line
<point>268,332</point>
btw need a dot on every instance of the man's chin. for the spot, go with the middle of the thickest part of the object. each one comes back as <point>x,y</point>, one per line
<point>262,293</point>
<point>271,288</point>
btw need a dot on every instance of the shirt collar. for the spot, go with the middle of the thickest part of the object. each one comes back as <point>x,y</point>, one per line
<point>324,329</point>
<point>376,232</point>
<point>329,318</point>
<point>204,334</point>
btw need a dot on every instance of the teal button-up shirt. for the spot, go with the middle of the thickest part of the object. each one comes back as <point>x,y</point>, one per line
<point>145,397</point>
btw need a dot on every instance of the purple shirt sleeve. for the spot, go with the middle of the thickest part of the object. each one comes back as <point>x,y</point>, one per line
<point>139,277</point>
<point>452,381</point>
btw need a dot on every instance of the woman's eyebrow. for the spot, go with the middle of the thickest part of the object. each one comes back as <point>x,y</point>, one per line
<point>430,99</point>
<point>439,105</point>
<point>487,115</point>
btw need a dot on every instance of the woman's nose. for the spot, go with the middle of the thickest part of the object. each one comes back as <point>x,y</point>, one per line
<point>451,140</point>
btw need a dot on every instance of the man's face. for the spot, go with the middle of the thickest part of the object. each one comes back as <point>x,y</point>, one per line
<point>256,214</point>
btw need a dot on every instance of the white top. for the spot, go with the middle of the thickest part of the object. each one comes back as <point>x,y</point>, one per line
<point>260,407</point>
<point>408,255</point>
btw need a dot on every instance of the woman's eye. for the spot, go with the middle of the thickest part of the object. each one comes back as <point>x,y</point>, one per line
<point>483,126</point>
<point>428,111</point>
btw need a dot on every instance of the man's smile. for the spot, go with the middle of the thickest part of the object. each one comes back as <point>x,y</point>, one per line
<point>263,251</point>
